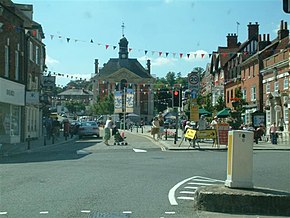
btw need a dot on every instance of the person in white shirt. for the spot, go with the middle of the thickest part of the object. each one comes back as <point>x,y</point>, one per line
<point>107,130</point>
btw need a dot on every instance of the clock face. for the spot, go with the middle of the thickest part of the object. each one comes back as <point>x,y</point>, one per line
<point>123,56</point>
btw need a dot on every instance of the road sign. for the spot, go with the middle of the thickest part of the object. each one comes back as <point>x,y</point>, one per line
<point>193,80</point>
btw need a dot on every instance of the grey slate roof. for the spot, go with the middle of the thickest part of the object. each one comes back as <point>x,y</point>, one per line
<point>76,92</point>
<point>115,64</point>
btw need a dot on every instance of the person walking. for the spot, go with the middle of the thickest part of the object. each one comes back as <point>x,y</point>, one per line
<point>155,127</point>
<point>273,133</point>
<point>107,130</point>
<point>161,124</point>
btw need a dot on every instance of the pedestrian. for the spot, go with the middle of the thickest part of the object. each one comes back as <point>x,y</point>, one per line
<point>161,124</point>
<point>107,130</point>
<point>202,124</point>
<point>214,122</point>
<point>56,127</point>
<point>273,133</point>
<point>155,127</point>
<point>48,127</point>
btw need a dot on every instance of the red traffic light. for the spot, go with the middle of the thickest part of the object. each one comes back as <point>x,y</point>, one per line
<point>175,93</point>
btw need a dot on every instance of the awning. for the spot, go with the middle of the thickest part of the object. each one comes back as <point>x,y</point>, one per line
<point>223,113</point>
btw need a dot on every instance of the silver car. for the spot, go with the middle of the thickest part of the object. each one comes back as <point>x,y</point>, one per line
<point>88,128</point>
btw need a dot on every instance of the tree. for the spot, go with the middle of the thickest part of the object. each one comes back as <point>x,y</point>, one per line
<point>170,78</point>
<point>220,104</point>
<point>104,106</point>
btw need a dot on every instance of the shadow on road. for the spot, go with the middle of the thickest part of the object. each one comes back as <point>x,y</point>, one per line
<point>65,151</point>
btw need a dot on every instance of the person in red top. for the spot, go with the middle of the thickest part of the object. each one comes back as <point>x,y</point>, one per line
<point>273,134</point>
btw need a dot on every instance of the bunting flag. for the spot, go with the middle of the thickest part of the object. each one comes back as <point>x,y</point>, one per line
<point>33,32</point>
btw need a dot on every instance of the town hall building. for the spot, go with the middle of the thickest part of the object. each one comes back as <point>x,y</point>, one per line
<point>123,73</point>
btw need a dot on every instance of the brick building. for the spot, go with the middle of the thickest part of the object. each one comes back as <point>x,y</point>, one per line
<point>276,80</point>
<point>21,66</point>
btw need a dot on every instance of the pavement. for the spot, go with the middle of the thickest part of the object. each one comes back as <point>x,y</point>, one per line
<point>165,144</point>
<point>179,144</point>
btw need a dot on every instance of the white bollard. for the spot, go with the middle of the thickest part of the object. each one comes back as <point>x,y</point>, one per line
<point>240,159</point>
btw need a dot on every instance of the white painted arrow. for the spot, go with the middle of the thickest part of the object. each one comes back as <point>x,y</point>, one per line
<point>139,150</point>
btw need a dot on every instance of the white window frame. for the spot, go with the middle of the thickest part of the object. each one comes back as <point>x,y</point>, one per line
<point>36,55</point>
<point>268,89</point>
<point>244,92</point>
<point>31,51</point>
<point>276,86</point>
<point>286,83</point>
<point>6,69</point>
<point>16,65</point>
<point>253,93</point>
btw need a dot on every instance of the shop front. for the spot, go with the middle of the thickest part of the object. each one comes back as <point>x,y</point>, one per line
<point>11,102</point>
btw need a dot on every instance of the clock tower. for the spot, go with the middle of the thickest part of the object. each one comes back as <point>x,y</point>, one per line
<point>123,48</point>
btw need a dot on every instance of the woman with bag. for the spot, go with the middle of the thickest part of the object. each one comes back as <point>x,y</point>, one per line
<point>155,127</point>
<point>107,130</point>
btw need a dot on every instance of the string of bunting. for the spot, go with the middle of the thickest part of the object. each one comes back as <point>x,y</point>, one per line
<point>33,32</point>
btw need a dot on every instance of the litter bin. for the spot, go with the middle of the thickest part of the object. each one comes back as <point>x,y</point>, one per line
<point>240,159</point>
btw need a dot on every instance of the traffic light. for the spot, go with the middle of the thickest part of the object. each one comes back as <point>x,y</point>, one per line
<point>177,98</point>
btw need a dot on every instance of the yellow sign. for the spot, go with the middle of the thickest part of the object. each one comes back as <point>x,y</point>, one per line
<point>207,134</point>
<point>190,134</point>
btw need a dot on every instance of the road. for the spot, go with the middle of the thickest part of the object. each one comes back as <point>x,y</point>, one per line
<point>90,179</point>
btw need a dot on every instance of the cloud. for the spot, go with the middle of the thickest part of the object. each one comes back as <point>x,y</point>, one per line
<point>50,61</point>
<point>160,61</point>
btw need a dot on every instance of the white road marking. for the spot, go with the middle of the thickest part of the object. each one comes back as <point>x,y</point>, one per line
<point>170,212</point>
<point>197,183</point>
<point>127,212</point>
<point>3,213</point>
<point>85,211</point>
<point>139,150</point>
<point>186,192</point>
<point>171,194</point>
<point>190,187</point>
<point>208,179</point>
<point>43,212</point>
<point>186,198</point>
<point>199,179</point>
<point>82,152</point>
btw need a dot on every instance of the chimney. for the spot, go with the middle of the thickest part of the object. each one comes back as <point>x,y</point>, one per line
<point>253,31</point>
<point>96,66</point>
<point>283,31</point>
<point>263,42</point>
<point>148,66</point>
<point>232,41</point>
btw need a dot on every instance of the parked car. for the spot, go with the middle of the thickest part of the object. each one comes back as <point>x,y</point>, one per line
<point>88,128</point>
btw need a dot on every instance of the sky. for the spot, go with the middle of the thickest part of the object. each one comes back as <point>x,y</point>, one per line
<point>79,31</point>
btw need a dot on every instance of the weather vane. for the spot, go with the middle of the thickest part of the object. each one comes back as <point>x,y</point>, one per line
<point>123,27</point>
